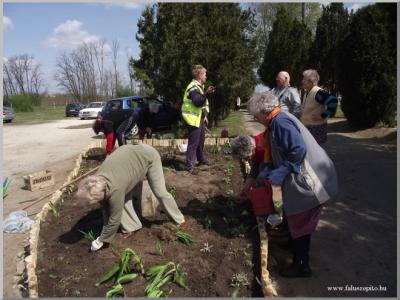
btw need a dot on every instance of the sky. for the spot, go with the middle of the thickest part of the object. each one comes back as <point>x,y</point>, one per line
<point>45,30</point>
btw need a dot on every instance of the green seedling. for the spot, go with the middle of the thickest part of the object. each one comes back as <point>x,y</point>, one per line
<point>122,272</point>
<point>238,280</point>
<point>160,276</point>
<point>248,263</point>
<point>71,188</point>
<point>172,191</point>
<point>230,192</point>
<point>207,223</point>
<point>88,235</point>
<point>239,230</point>
<point>6,185</point>
<point>185,238</point>
<point>229,168</point>
<point>159,249</point>
<point>54,209</point>
<point>206,248</point>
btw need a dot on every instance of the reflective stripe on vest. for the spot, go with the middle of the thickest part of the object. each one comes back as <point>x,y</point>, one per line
<point>191,113</point>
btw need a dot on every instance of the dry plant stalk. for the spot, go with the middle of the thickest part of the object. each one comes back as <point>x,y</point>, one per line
<point>267,287</point>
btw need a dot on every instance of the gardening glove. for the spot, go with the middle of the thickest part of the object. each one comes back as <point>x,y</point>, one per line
<point>96,245</point>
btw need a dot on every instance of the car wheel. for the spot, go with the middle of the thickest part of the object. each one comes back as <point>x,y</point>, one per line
<point>82,118</point>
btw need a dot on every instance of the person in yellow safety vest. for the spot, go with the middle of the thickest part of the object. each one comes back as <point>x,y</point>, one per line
<point>195,108</point>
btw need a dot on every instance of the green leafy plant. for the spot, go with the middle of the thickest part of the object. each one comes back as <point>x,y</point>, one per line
<point>122,272</point>
<point>6,185</point>
<point>159,249</point>
<point>54,209</point>
<point>185,238</point>
<point>207,222</point>
<point>160,276</point>
<point>229,168</point>
<point>171,190</point>
<point>88,235</point>
<point>238,280</point>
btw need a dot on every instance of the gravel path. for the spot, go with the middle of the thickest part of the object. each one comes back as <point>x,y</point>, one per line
<point>28,149</point>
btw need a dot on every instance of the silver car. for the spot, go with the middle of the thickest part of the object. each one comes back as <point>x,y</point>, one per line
<point>8,114</point>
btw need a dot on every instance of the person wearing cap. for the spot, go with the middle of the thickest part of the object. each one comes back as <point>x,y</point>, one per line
<point>289,98</point>
<point>112,186</point>
<point>296,164</point>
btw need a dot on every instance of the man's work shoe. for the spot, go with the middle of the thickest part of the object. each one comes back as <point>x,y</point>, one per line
<point>191,171</point>
<point>296,270</point>
<point>204,163</point>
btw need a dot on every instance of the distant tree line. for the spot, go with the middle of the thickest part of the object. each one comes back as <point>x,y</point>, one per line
<point>83,74</point>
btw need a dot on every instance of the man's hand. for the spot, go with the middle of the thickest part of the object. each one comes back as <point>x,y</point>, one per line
<point>96,245</point>
<point>210,90</point>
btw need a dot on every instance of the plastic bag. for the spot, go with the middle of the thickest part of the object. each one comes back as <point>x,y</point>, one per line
<point>17,222</point>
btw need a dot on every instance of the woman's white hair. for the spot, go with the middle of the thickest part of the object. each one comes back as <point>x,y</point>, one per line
<point>91,188</point>
<point>262,103</point>
<point>242,146</point>
<point>312,76</point>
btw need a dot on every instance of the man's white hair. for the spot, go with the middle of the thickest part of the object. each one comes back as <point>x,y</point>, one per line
<point>262,103</point>
<point>285,75</point>
<point>92,188</point>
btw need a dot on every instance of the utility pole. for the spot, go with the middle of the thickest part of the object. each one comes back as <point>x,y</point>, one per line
<point>303,11</point>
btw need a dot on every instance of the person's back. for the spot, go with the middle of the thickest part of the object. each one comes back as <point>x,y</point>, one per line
<point>127,166</point>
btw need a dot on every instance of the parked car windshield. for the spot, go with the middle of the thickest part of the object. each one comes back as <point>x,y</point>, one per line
<point>95,105</point>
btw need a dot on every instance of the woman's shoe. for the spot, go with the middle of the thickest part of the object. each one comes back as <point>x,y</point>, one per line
<point>296,270</point>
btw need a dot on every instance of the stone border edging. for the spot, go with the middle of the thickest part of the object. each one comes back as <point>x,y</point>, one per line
<point>31,259</point>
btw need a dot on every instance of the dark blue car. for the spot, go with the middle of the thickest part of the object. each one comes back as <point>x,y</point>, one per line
<point>164,117</point>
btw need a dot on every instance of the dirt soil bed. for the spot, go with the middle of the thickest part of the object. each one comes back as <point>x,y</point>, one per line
<point>66,268</point>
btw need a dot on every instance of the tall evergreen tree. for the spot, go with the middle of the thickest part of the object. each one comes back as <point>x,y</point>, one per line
<point>216,35</point>
<point>330,33</point>
<point>367,78</point>
<point>287,49</point>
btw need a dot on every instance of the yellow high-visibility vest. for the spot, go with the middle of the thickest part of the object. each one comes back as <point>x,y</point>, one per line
<point>191,113</point>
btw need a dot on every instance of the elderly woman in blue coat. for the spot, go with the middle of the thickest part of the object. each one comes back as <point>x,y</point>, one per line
<point>297,166</point>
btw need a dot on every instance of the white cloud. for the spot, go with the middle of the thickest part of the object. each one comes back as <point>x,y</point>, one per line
<point>7,23</point>
<point>126,5</point>
<point>70,35</point>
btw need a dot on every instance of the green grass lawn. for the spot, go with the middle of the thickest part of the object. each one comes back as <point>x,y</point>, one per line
<point>39,115</point>
<point>233,123</point>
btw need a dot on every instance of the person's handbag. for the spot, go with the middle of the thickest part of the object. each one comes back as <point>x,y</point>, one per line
<point>261,199</point>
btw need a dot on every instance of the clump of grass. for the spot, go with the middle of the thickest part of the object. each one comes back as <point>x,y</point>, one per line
<point>159,249</point>
<point>185,238</point>
<point>89,235</point>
